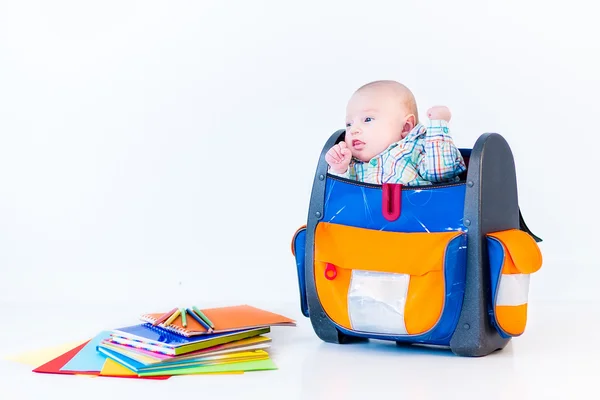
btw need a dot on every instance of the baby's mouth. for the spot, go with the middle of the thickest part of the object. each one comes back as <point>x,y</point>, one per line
<point>357,144</point>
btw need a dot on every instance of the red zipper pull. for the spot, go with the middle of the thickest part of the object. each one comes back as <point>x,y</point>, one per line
<point>330,272</point>
<point>391,200</point>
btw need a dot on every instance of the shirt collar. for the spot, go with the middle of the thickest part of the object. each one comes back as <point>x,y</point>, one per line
<point>415,132</point>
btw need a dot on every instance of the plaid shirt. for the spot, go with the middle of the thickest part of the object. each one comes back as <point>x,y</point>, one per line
<point>424,156</point>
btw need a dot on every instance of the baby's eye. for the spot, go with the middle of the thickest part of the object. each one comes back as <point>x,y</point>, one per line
<point>348,124</point>
<point>368,119</point>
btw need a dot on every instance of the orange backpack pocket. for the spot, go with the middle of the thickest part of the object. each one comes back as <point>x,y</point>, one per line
<point>384,282</point>
<point>514,256</point>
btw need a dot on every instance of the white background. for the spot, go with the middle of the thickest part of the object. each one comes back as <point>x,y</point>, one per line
<point>160,153</point>
<point>168,148</point>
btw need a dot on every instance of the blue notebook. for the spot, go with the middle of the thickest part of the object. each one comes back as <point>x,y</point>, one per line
<point>137,366</point>
<point>153,338</point>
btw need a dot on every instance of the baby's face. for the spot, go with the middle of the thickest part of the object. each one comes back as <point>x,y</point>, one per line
<point>374,120</point>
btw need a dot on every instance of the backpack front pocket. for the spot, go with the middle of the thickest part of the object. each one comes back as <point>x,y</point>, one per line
<point>514,256</point>
<point>384,282</point>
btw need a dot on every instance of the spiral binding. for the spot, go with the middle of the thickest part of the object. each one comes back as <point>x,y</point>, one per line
<point>136,344</point>
<point>161,327</point>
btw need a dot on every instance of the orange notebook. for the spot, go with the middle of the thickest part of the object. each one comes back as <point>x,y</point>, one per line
<point>225,319</point>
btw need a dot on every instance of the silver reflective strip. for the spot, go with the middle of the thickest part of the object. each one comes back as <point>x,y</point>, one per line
<point>376,302</point>
<point>513,290</point>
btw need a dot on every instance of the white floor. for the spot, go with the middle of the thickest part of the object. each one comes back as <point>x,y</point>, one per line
<point>558,357</point>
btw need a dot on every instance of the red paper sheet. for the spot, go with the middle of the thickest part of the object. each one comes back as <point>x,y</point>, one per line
<point>54,366</point>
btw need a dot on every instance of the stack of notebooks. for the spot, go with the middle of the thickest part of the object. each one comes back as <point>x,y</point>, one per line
<point>233,342</point>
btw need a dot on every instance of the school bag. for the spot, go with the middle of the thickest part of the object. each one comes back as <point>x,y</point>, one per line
<point>445,264</point>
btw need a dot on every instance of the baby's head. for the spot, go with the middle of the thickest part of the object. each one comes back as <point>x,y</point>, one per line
<point>377,115</point>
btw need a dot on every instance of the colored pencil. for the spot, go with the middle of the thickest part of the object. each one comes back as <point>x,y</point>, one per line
<point>199,320</point>
<point>173,317</point>
<point>204,317</point>
<point>183,318</point>
<point>164,317</point>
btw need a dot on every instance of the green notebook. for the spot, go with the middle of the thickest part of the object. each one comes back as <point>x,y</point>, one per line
<point>245,366</point>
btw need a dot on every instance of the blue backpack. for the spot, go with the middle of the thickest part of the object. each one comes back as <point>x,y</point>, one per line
<point>444,264</point>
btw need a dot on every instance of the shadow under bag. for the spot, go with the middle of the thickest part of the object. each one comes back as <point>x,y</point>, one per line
<point>443,264</point>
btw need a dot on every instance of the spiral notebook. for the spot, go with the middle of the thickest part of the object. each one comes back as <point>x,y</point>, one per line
<point>152,338</point>
<point>225,319</point>
<point>138,367</point>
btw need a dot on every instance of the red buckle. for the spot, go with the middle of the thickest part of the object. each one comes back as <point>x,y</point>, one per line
<point>330,272</point>
<point>391,200</point>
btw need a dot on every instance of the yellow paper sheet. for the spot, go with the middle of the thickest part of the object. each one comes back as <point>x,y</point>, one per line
<point>38,357</point>
<point>113,368</point>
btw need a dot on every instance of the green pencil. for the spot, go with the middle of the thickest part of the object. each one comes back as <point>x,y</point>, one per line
<point>183,319</point>
<point>204,317</point>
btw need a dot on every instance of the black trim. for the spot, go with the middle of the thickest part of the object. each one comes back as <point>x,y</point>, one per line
<point>523,226</point>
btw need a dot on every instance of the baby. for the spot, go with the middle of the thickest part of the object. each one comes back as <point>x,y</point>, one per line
<point>385,143</point>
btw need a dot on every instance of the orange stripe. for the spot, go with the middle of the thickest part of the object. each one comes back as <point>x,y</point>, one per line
<point>512,319</point>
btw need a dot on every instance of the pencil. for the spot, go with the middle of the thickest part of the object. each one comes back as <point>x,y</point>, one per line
<point>204,317</point>
<point>173,317</point>
<point>183,318</point>
<point>164,317</point>
<point>199,320</point>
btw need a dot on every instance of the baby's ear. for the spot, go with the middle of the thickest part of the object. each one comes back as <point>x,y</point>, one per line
<point>408,126</point>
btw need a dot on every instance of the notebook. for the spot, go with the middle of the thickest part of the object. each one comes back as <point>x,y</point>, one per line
<point>139,367</point>
<point>154,338</point>
<point>113,369</point>
<point>246,366</point>
<point>253,343</point>
<point>225,319</point>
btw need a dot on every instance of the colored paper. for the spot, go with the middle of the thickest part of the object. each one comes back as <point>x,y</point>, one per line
<point>38,357</point>
<point>113,368</point>
<point>88,359</point>
<point>54,366</point>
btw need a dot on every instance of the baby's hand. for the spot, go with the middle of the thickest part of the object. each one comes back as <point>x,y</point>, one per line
<point>439,112</point>
<point>338,158</point>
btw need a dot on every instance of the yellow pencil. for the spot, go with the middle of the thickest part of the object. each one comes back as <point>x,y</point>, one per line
<point>164,317</point>
<point>173,317</point>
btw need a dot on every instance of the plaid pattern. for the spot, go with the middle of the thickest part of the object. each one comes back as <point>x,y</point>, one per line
<point>424,156</point>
